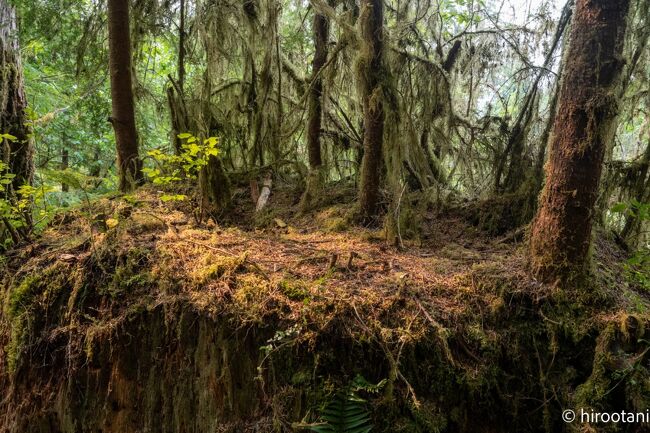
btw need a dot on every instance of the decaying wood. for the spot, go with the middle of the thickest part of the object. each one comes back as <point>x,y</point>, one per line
<point>264,194</point>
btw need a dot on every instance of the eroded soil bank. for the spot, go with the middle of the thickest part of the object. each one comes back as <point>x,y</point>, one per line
<point>131,317</point>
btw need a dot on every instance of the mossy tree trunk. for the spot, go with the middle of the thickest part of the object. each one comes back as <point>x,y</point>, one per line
<point>177,115</point>
<point>371,61</point>
<point>176,90</point>
<point>633,228</point>
<point>17,153</point>
<point>123,117</point>
<point>321,36</point>
<point>585,123</point>
<point>215,185</point>
<point>181,47</point>
<point>65,164</point>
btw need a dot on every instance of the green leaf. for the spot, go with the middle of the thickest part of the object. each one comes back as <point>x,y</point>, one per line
<point>176,197</point>
<point>345,413</point>
<point>9,137</point>
<point>193,149</point>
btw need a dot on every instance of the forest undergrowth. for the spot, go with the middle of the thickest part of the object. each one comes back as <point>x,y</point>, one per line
<point>457,333</point>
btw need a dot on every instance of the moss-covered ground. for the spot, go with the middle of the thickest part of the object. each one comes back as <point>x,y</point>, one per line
<point>130,315</point>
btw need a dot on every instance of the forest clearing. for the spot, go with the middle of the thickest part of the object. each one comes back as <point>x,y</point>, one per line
<point>336,216</point>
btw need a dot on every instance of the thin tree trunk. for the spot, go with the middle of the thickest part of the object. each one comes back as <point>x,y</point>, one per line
<point>177,113</point>
<point>176,90</point>
<point>65,163</point>
<point>181,49</point>
<point>17,153</point>
<point>641,37</point>
<point>278,60</point>
<point>96,167</point>
<point>371,69</point>
<point>588,106</point>
<point>321,36</point>
<point>123,117</point>
<point>519,134</point>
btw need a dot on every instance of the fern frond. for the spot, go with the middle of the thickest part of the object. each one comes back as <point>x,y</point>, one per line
<point>345,413</point>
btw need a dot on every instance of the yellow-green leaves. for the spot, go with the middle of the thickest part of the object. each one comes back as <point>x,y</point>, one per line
<point>171,168</point>
<point>173,197</point>
<point>8,137</point>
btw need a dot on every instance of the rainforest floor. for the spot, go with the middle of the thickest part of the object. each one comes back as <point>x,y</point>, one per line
<point>450,323</point>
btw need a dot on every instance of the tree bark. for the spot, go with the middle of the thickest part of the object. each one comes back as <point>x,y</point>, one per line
<point>17,153</point>
<point>215,186</point>
<point>123,117</point>
<point>321,36</point>
<point>585,123</point>
<point>177,114</point>
<point>641,193</point>
<point>371,69</point>
<point>181,49</point>
<point>65,163</point>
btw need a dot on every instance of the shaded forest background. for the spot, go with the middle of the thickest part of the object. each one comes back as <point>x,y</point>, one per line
<point>468,91</point>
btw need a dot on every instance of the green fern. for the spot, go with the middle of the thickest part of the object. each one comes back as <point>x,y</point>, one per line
<point>346,412</point>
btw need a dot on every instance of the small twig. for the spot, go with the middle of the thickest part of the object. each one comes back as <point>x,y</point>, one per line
<point>541,313</point>
<point>210,247</point>
<point>312,259</point>
<point>350,260</point>
<point>512,236</point>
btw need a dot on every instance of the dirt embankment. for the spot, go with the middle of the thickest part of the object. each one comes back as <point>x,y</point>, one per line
<point>130,317</point>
